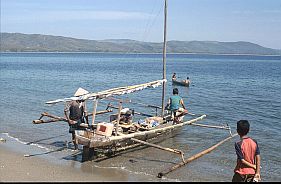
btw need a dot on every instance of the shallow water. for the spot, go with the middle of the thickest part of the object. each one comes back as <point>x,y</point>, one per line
<point>225,88</point>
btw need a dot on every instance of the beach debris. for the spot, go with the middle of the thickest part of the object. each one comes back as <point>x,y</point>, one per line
<point>2,140</point>
<point>66,144</point>
<point>132,161</point>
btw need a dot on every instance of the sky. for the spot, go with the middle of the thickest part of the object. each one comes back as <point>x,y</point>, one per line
<point>256,21</point>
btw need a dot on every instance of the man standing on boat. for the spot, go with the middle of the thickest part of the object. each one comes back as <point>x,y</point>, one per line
<point>174,77</point>
<point>187,80</point>
<point>174,106</point>
<point>75,112</point>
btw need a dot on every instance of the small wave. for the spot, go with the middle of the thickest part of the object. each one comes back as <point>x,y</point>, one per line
<point>39,146</point>
<point>135,172</point>
<point>14,138</point>
<point>122,167</point>
<point>25,143</point>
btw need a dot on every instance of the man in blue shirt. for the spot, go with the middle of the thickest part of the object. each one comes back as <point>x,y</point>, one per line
<point>174,105</point>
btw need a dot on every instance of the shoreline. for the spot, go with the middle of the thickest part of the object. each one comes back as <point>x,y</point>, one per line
<point>16,166</point>
<point>133,53</point>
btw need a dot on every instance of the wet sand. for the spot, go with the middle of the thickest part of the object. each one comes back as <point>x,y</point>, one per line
<point>15,167</point>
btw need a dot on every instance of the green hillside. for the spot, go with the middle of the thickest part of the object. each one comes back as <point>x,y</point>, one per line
<point>17,42</point>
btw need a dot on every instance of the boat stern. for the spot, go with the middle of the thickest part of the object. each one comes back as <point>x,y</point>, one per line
<point>90,139</point>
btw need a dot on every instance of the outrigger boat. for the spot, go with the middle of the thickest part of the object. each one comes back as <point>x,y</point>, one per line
<point>181,83</point>
<point>114,134</point>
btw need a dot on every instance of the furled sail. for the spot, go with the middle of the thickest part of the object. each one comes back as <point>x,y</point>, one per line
<point>111,92</point>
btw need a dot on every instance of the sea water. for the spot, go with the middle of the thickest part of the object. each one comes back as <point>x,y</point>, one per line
<point>226,88</point>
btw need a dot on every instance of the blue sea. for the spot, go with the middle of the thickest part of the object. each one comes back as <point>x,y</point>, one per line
<point>226,88</point>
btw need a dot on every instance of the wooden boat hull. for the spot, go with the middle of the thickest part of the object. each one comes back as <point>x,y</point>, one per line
<point>107,143</point>
<point>92,140</point>
<point>103,142</point>
<point>181,83</point>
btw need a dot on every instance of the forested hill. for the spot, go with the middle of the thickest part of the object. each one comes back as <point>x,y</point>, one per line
<point>17,42</point>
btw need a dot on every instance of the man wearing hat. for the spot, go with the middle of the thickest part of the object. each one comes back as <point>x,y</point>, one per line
<point>75,111</point>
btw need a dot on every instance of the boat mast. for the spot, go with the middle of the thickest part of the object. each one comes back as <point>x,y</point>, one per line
<point>164,58</point>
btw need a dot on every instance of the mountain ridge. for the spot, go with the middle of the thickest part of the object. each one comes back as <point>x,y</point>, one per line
<point>19,42</point>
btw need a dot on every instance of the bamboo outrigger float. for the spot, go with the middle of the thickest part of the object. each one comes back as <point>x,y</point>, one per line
<point>115,134</point>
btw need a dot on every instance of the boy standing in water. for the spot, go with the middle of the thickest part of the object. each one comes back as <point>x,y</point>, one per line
<point>248,156</point>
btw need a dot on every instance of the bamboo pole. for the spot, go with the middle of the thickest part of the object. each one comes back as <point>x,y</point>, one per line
<point>191,114</point>
<point>111,106</point>
<point>211,126</point>
<point>156,130</point>
<point>160,147</point>
<point>57,118</point>
<point>52,116</point>
<point>118,117</point>
<point>157,146</point>
<point>110,92</point>
<point>41,121</point>
<point>100,112</point>
<point>94,111</point>
<point>164,58</point>
<point>139,113</point>
<point>116,91</point>
<point>121,89</point>
<point>54,119</point>
<point>116,99</point>
<point>142,114</point>
<point>163,173</point>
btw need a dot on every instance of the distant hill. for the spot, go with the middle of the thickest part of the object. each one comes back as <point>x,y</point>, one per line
<point>17,42</point>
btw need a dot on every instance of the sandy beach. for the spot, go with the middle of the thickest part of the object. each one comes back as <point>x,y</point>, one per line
<point>15,167</point>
